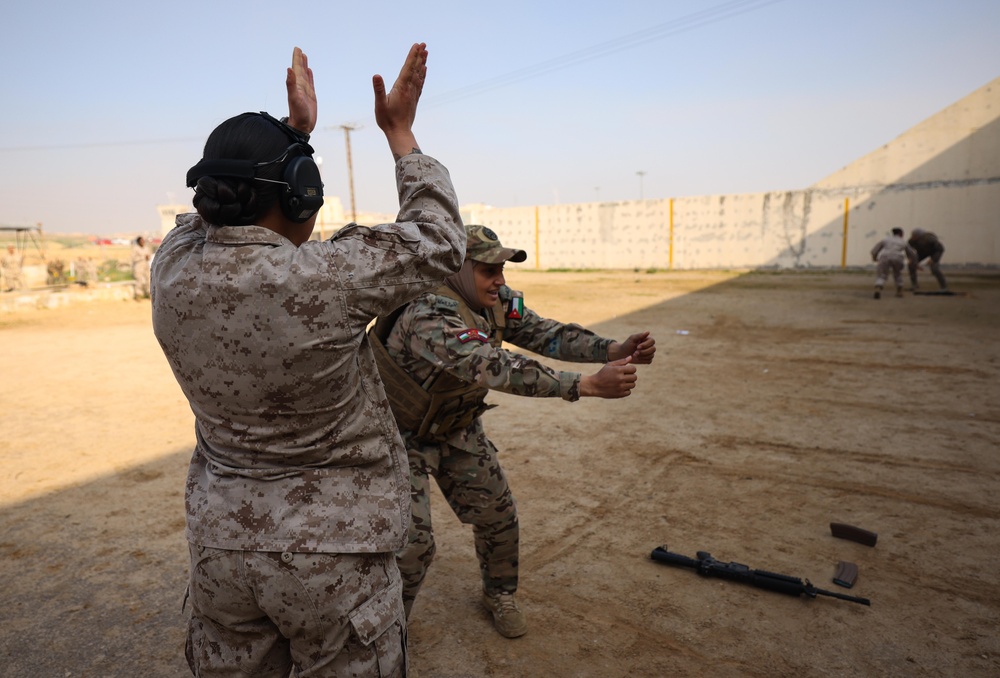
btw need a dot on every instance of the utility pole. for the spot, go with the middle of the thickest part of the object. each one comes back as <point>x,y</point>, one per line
<point>641,174</point>
<point>350,168</point>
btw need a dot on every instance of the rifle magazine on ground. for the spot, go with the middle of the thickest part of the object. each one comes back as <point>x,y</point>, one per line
<point>852,533</point>
<point>846,574</point>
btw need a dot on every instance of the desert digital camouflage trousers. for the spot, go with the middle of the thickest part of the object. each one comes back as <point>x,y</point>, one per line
<point>887,266</point>
<point>475,487</point>
<point>308,615</point>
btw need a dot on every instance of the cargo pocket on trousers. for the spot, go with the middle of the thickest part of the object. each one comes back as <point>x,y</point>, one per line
<point>378,624</point>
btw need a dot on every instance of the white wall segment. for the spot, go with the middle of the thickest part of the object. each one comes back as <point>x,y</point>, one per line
<point>943,175</point>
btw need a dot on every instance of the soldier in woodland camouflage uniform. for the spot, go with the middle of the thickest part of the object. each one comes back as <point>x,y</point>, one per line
<point>297,492</point>
<point>55,272</point>
<point>441,355</point>
<point>927,246</point>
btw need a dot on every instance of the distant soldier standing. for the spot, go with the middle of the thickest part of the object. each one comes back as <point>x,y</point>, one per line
<point>438,359</point>
<point>86,270</point>
<point>140,267</point>
<point>890,254</point>
<point>10,268</point>
<point>927,246</point>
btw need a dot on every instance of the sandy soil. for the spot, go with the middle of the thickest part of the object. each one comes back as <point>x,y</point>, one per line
<point>778,403</point>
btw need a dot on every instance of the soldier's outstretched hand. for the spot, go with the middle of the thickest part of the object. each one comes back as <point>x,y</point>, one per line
<point>615,380</point>
<point>396,111</point>
<point>301,93</point>
<point>640,346</point>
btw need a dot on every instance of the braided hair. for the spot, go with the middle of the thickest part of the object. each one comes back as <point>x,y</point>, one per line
<point>228,201</point>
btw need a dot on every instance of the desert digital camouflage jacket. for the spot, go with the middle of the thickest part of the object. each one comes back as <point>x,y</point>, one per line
<point>893,247</point>
<point>296,447</point>
<point>430,336</point>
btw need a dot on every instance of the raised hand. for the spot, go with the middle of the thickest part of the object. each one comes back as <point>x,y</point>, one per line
<point>615,380</point>
<point>395,111</point>
<point>640,346</point>
<point>301,93</point>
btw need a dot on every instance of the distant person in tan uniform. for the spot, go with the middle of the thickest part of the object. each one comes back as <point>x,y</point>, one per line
<point>10,270</point>
<point>890,254</point>
<point>86,271</point>
<point>140,267</point>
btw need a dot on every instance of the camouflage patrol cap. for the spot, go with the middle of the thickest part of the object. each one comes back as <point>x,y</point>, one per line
<point>484,246</point>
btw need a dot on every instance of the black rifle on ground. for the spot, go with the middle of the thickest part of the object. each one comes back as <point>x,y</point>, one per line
<point>706,565</point>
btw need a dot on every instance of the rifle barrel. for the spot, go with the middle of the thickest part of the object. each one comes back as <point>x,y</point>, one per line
<point>661,554</point>
<point>834,594</point>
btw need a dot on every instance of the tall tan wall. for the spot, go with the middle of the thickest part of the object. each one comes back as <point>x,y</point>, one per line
<point>943,175</point>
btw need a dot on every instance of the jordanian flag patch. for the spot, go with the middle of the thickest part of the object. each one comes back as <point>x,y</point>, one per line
<point>515,309</point>
<point>465,336</point>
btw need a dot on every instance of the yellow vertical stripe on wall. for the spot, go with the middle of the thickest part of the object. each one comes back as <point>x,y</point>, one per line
<point>537,257</point>
<point>843,251</point>
<point>671,260</point>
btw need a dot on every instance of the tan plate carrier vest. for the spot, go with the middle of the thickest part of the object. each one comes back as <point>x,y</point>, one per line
<point>443,403</point>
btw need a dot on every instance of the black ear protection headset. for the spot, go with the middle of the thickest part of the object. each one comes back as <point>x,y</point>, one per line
<point>303,194</point>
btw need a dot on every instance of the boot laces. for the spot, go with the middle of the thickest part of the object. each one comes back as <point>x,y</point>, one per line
<point>505,603</point>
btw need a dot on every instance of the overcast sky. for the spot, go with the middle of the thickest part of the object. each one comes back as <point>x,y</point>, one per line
<point>107,104</point>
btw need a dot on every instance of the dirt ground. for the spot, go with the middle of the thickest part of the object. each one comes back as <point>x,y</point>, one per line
<point>777,404</point>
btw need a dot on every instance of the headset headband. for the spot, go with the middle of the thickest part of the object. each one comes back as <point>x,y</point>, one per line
<point>247,169</point>
<point>240,169</point>
<point>294,134</point>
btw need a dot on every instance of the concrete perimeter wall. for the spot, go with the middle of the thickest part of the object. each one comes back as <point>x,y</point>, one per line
<point>943,175</point>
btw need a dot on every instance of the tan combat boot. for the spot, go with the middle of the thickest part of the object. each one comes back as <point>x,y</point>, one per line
<point>507,616</point>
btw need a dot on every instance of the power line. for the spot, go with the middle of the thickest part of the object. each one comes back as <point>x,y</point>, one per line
<point>682,24</point>
<point>672,27</point>
<point>102,144</point>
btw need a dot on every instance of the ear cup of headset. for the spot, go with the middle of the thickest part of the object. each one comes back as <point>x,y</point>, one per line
<point>303,195</point>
